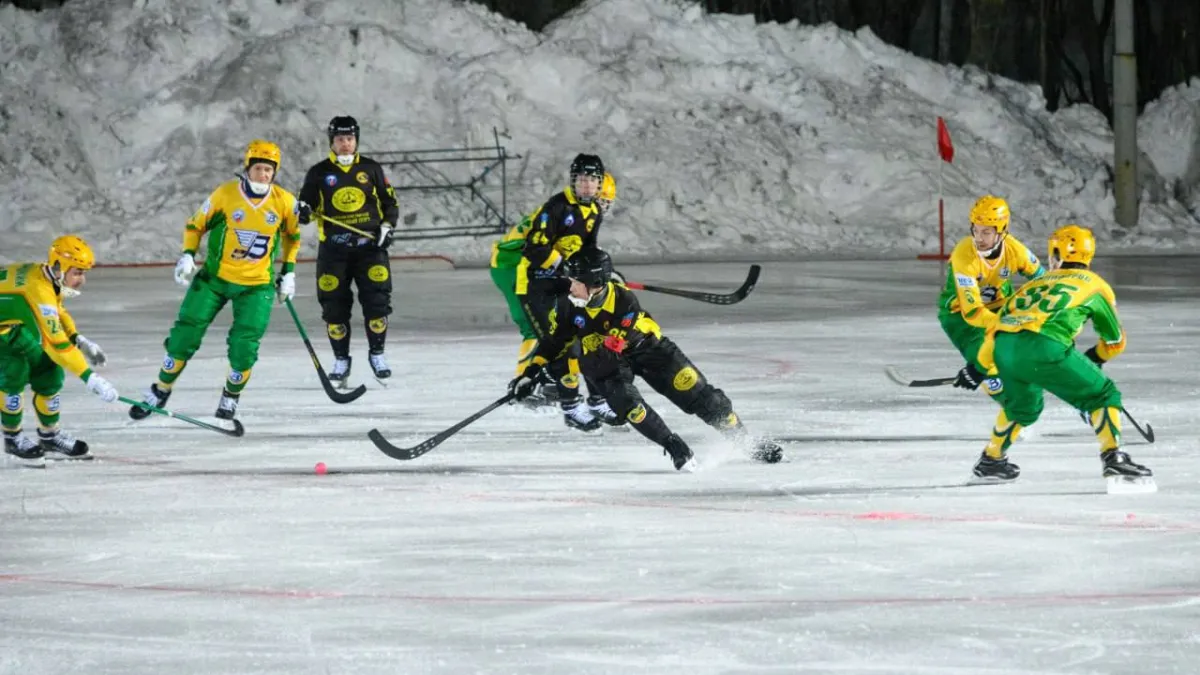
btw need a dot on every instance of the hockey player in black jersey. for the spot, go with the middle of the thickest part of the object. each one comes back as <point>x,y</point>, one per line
<point>567,223</point>
<point>352,189</point>
<point>618,341</point>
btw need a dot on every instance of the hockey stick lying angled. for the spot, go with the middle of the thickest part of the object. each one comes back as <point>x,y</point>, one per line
<point>895,376</point>
<point>344,226</point>
<point>432,442</point>
<point>330,390</point>
<point>712,298</point>
<point>238,430</point>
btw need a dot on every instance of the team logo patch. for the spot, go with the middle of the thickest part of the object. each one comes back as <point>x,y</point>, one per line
<point>239,215</point>
<point>685,379</point>
<point>53,404</point>
<point>327,282</point>
<point>627,320</point>
<point>570,381</point>
<point>236,376</point>
<point>377,273</point>
<point>272,218</point>
<point>637,414</point>
<point>168,363</point>
<point>569,221</point>
<point>331,180</point>
<point>579,320</point>
<point>994,385</point>
<point>1004,272</point>
<point>377,325</point>
<point>12,403</point>
<point>988,293</point>
<point>964,280</point>
<point>48,311</point>
<point>362,177</point>
<point>337,331</point>
<point>348,199</point>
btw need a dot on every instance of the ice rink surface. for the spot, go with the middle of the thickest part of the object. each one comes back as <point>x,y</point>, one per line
<point>520,546</point>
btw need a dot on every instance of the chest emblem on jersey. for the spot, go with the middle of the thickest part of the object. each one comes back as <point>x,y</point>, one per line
<point>1004,273</point>
<point>579,320</point>
<point>239,216</point>
<point>569,221</point>
<point>592,342</point>
<point>331,180</point>
<point>251,245</point>
<point>627,320</point>
<point>272,218</point>
<point>362,177</point>
<point>348,199</point>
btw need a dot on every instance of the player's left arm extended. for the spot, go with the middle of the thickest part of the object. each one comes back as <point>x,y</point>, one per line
<point>1103,306</point>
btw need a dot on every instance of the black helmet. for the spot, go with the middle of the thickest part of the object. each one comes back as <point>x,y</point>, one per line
<point>342,125</point>
<point>587,165</point>
<point>591,266</point>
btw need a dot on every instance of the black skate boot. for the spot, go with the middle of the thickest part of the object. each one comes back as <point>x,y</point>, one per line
<point>227,407</point>
<point>600,408</point>
<point>988,470</point>
<point>579,416</point>
<point>1125,476</point>
<point>24,449</point>
<point>379,366</point>
<point>767,452</point>
<point>154,397</point>
<point>340,371</point>
<point>681,454</point>
<point>61,445</point>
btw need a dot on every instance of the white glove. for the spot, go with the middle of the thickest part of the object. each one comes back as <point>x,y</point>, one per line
<point>184,269</point>
<point>285,289</point>
<point>385,236</point>
<point>91,351</point>
<point>101,388</point>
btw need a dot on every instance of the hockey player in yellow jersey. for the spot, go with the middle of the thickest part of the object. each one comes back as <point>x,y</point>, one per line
<point>978,282</point>
<point>1031,344</point>
<point>38,340</point>
<point>249,221</point>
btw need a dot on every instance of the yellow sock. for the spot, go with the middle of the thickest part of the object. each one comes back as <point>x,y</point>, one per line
<point>1106,422</point>
<point>1003,434</point>
<point>526,351</point>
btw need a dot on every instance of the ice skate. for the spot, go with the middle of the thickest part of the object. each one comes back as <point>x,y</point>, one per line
<point>379,367</point>
<point>227,406</point>
<point>154,397</point>
<point>58,444</point>
<point>579,416</point>
<point>989,470</point>
<point>1124,476</point>
<point>680,453</point>
<point>340,372</point>
<point>600,409</point>
<point>23,450</point>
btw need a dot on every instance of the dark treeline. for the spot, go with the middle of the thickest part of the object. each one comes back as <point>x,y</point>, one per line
<point>1063,45</point>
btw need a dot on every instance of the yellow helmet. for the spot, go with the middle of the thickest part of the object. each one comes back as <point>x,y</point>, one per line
<point>1072,243</point>
<point>990,211</point>
<point>70,251</point>
<point>608,187</point>
<point>262,150</point>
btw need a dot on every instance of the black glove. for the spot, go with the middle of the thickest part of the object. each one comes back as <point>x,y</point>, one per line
<point>522,385</point>
<point>385,236</point>
<point>304,213</point>
<point>1094,356</point>
<point>969,377</point>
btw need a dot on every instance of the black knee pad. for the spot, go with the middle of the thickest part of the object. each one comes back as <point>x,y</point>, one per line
<point>712,406</point>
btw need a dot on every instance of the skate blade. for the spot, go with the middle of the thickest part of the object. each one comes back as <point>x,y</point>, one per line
<point>988,480</point>
<point>1131,485</point>
<point>383,382</point>
<point>11,462</point>
<point>68,458</point>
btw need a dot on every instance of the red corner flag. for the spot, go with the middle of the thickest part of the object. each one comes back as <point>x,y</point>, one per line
<point>945,146</point>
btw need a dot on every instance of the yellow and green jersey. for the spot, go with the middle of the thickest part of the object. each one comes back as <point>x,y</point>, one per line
<point>506,251</point>
<point>1057,305</point>
<point>30,298</point>
<point>245,234</point>
<point>976,286</point>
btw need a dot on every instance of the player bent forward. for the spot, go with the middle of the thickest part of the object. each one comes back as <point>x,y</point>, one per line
<point>620,341</point>
<point>37,341</point>
<point>1032,346</point>
<point>248,220</point>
